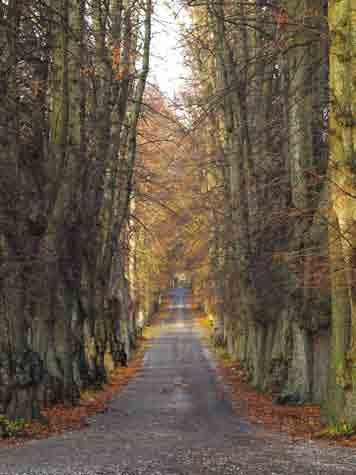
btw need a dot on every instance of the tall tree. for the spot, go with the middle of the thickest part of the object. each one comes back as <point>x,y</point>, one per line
<point>73,86</point>
<point>342,26</point>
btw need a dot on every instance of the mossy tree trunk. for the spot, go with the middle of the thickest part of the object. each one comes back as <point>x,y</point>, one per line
<point>342,175</point>
<point>64,303</point>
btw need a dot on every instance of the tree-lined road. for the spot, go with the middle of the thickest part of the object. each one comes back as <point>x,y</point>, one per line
<point>174,418</point>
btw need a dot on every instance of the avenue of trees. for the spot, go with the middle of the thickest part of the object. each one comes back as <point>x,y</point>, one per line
<point>105,194</point>
<point>272,100</point>
<point>72,80</point>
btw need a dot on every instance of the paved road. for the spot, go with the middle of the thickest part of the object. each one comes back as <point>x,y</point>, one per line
<point>174,419</point>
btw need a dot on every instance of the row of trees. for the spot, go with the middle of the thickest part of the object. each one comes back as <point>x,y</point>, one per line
<point>160,197</point>
<point>104,194</point>
<point>72,81</point>
<point>273,105</point>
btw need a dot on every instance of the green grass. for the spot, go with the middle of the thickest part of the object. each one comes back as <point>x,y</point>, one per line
<point>340,429</point>
<point>11,428</point>
<point>223,353</point>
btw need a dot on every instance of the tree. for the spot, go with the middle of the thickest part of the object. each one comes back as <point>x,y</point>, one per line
<point>261,91</point>
<point>342,25</point>
<point>73,76</point>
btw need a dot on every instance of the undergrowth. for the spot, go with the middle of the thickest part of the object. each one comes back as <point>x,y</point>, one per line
<point>222,353</point>
<point>11,428</point>
<point>339,429</point>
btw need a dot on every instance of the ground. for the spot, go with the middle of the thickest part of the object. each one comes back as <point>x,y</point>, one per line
<point>175,418</point>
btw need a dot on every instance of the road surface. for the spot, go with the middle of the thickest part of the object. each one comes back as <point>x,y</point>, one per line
<point>174,419</point>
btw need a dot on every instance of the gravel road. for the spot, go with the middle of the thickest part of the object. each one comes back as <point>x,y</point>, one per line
<point>174,418</point>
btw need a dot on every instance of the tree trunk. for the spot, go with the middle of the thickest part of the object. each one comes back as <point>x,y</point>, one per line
<point>342,26</point>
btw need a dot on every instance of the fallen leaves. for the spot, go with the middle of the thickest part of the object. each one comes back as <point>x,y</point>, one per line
<point>298,421</point>
<point>60,419</point>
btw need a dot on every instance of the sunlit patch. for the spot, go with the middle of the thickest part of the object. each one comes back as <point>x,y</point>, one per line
<point>180,324</point>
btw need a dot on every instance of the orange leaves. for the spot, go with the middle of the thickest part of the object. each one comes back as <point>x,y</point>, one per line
<point>302,421</point>
<point>60,419</point>
<point>88,72</point>
<point>121,66</point>
<point>119,76</point>
<point>36,87</point>
<point>116,55</point>
<point>296,420</point>
<point>116,61</point>
<point>281,17</point>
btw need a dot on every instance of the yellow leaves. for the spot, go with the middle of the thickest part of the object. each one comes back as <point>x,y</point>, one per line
<point>311,12</point>
<point>280,257</point>
<point>342,379</point>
